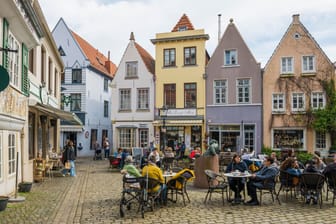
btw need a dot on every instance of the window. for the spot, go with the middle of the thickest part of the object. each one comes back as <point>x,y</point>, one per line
<point>190,56</point>
<point>169,57</point>
<point>131,69</point>
<point>249,137</point>
<point>127,137</point>
<point>75,102</point>
<point>105,85</point>
<point>13,60</point>
<point>143,138</point>
<point>298,102</point>
<point>288,138</point>
<point>220,91</point>
<point>230,57</point>
<point>76,75</point>
<point>190,95</point>
<point>31,59</point>
<point>11,153</point>
<point>278,102</point>
<point>317,100</point>
<point>94,138</point>
<point>62,78</point>
<point>287,65</point>
<point>169,95</point>
<point>143,99</point>
<point>106,108</point>
<point>62,101</point>
<point>182,28</point>
<point>308,64</point>
<point>321,140</point>
<point>243,90</point>
<point>125,99</point>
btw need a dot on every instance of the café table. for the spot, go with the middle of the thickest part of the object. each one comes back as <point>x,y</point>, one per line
<point>167,174</point>
<point>239,175</point>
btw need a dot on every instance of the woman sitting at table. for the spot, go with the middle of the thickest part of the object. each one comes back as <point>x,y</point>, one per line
<point>236,184</point>
<point>291,166</point>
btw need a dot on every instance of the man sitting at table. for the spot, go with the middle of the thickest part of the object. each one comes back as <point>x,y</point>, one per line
<point>236,184</point>
<point>257,180</point>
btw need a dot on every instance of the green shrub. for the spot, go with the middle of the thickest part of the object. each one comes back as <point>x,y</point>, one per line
<point>266,150</point>
<point>303,157</point>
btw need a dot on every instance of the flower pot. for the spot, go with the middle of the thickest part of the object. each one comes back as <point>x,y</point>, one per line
<point>25,186</point>
<point>3,202</point>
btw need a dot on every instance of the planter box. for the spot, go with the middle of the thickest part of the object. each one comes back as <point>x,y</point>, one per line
<point>25,186</point>
<point>203,163</point>
<point>3,202</point>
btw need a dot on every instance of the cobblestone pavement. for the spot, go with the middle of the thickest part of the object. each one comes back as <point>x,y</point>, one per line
<point>93,197</point>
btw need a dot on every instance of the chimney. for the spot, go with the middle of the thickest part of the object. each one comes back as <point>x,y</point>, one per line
<point>296,18</point>
<point>108,63</point>
<point>108,56</point>
<point>132,36</point>
<point>219,27</point>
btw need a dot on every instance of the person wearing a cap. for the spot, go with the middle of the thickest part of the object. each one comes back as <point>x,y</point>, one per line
<point>129,168</point>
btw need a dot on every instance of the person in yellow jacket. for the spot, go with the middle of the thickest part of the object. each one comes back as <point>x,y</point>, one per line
<point>153,171</point>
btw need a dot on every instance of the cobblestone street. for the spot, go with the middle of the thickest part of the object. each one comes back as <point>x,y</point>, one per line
<point>93,197</point>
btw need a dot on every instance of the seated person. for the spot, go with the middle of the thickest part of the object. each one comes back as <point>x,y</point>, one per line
<point>319,164</point>
<point>129,168</point>
<point>311,168</point>
<point>151,170</point>
<point>256,180</point>
<point>169,153</point>
<point>291,166</point>
<point>330,168</point>
<point>246,155</point>
<point>155,153</point>
<point>195,153</point>
<point>236,184</point>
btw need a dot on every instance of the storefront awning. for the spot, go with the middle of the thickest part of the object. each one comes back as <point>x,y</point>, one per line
<point>71,128</point>
<point>57,113</point>
<point>178,122</point>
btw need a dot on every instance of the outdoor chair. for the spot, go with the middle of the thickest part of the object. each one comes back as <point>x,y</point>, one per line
<point>216,184</point>
<point>289,183</point>
<point>312,183</point>
<point>268,186</point>
<point>178,185</point>
<point>331,186</point>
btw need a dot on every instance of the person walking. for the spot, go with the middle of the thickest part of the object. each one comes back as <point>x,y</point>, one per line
<point>106,145</point>
<point>69,156</point>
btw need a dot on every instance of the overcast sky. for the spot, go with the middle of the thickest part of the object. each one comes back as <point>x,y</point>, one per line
<point>107,24</point>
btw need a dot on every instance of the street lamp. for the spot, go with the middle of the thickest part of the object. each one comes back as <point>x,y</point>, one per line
<point>163,115</point>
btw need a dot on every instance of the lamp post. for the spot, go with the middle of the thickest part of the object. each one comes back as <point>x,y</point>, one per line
<point>163,115</point>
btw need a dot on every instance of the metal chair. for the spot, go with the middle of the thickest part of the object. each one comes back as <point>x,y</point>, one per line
<point>178,185</point>
<point>268,186</point>
<point>288,183</point>
<point>312,183</point>
<point>331,186</point>
<point>216,184</point>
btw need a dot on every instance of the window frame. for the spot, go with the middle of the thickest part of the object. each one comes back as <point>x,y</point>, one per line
<point>143,137</point>
<point>287,69</point>
<point>296,98</point>
<point>169,95</point>
<point>306,64</point>
<point>131,69</point>
<point>143,99</point>
<point>233,59</point>
<point>169,57</point>
<point>106,108</point>
<point>221,91</point>
<point>318,96</point>
<point>276,97</point>
<point>106,85</point>
<point>320,140</point>
<point>241,90</point>
<point>13,60</point>
<point>76,76</point>
<point>76,102</point>
<point>11,153</point>
<point>190,91</point>
<point>189,55</point>
<point>127,137</point>
<point>125,99</point>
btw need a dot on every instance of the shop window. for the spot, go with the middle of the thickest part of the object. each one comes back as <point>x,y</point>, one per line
<point>127,138</point>
<point>288,138</point>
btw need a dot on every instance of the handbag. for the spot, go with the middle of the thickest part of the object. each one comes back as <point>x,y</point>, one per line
<point>67,165</point>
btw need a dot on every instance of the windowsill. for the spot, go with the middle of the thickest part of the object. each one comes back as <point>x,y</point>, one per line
<point>191,65</point>
<point>142,110</point>
<point>125,111</point>
<point>131,77</point>
<point>172,66</point>
<point>230,66</point>
<point>308,74</point>
<point>285,75</point>
<point>278,112</point>
<point>298,112</point>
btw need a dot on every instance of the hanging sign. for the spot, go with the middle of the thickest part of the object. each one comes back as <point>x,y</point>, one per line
<point>4,78</point>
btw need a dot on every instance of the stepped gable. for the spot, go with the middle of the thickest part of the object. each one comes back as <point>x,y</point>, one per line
<point>97,59</point>
<point>183,24</point>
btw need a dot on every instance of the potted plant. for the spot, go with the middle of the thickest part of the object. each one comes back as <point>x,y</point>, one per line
<point>25,186</point>
<point>3,202</point>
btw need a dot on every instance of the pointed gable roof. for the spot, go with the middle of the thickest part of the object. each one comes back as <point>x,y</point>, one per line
<point>96,58</point>
<point>147,58</point>
<point>296,21</point>
<point>183,24</point>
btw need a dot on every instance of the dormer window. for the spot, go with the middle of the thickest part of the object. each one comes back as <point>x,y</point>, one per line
<point>61,51</point>
<point>182,28</point>
<point>230,57</point>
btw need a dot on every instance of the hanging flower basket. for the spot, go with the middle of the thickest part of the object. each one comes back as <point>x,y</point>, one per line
<point>3,202</point>
<point>25,186</point>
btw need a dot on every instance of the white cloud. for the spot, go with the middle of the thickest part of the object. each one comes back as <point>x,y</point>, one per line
<point>106,24</point>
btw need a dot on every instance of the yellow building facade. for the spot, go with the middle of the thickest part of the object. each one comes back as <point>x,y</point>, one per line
<point>180,86</point>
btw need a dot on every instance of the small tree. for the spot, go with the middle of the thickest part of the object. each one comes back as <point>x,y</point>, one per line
<point>325,119</point>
